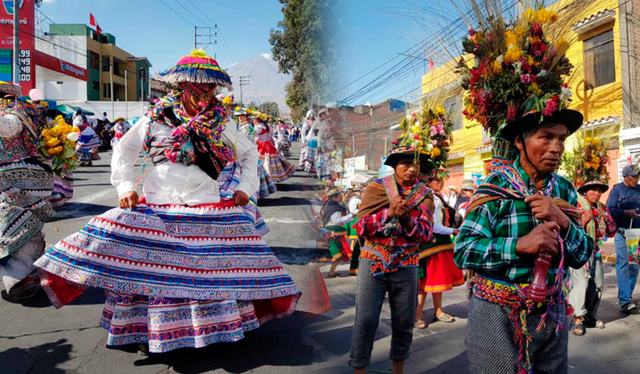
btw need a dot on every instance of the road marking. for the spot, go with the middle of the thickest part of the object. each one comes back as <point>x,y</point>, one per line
<point>95,196</point>
<point>286,220</point>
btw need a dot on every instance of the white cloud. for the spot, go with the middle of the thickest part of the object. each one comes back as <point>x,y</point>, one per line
<point>48,1</point>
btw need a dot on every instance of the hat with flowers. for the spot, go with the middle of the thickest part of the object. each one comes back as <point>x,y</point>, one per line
<point>515,76</point>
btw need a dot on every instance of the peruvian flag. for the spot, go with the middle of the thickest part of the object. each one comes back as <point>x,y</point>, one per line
<point>92,20</point>
<point>98,29</point>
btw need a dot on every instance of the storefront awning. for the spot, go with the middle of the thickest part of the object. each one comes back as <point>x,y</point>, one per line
<point>68,109</point>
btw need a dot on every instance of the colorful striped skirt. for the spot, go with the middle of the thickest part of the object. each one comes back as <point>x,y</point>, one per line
<point>338,246</point>
<point>310,157</point>
<point>177,276</point>
<point>276,165</point>
<point>62,190</point>
<point>228,182</point>
<point>267,185</point>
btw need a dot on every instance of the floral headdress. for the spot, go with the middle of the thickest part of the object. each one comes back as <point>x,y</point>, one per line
<point>516,67</point>
<point>589,161</point>
<point>429,132</point>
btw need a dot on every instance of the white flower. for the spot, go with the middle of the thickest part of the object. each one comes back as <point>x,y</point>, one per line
<point>542,73</point>
<point>73,136</point>
<point>565,94</point>
<point>518,66</point>
<point>429,146</point>
<point>500,59</point>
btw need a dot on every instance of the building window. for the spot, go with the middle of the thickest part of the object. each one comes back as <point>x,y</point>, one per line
<point>105,63</point>
<point>599,60</point>
<point>453,106</point>
<point>94,60</point>
<point>106,90</point>
<point>95,85</point>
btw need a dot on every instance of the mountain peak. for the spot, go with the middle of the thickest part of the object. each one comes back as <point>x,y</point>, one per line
<point>266,83</point>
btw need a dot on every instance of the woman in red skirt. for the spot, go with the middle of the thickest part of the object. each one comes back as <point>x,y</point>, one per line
<point>277,166</point>
<point>438,272</point>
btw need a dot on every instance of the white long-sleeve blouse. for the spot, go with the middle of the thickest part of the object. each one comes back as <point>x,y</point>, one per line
<point>176,183</point>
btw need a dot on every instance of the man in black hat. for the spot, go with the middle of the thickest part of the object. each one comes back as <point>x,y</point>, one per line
<point>624,204</point>
<point>523,215</point>
<point>394,219</point>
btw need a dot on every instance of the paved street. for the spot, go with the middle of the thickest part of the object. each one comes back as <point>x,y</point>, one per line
<point>37,338</point>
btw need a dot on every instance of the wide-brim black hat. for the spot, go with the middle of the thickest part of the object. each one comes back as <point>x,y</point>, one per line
<point>402,152</point>
<point>568,117</point>
<point>593,184</point>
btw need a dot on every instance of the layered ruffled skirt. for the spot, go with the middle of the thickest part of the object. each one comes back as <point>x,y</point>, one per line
<point>62,190</point>
<point>438,271</point>
<point>310,157</point>
<point>276,165</point>
<point>267,185</point>
<point>176,276</point>
<point>285,147</point>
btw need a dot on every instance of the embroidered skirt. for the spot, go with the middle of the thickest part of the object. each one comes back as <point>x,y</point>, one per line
<point>62,190</point>
<point>267,185</point>
<point>310,157</point>
<point>276,165</point>
<point>172,271</point>
<point>438,271</point>
<point>285,147</point>
<point>228,182</point>
<point>338,246</point>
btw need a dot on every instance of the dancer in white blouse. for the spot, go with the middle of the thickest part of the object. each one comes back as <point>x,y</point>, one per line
<point>185,264</point>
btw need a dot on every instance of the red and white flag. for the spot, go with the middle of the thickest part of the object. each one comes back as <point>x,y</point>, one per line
<point>92,20</point>
<point>98,29</point>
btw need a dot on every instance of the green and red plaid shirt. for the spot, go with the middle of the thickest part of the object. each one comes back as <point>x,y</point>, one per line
<point>488,236</point>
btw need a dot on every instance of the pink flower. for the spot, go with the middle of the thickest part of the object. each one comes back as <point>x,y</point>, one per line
<point>413,114</point>
<point>472,32</point>
<point>434,142</point>
<point>525,78</point>
<point>551,107</point>
<point>536,30</point>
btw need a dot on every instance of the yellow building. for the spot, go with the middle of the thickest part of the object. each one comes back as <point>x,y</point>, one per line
<point>600,76</point>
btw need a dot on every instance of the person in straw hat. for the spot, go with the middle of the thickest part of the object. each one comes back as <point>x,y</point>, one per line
<point>168,254</point>
<point>394,219</point>
<point>26,183</point>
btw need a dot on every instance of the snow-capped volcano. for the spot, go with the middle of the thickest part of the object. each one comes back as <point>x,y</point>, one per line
<point>266,83</point>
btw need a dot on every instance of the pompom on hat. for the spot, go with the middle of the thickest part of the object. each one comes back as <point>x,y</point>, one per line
<point>197,68</point>
<point>594,183</point>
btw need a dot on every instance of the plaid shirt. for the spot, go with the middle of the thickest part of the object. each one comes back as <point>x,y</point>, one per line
<point>488,236</point>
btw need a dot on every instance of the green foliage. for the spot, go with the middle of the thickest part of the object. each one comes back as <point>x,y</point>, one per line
<point>270,108</point>
<point>303,45</point>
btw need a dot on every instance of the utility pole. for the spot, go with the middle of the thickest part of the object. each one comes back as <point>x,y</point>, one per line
<point>245,80</point>
<point>16,42</point>
<point>113,110</point>
<point>207,36</point>
<point>126,96</point>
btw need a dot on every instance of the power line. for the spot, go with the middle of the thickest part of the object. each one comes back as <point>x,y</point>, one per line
<point>185,8</point>
<point>179,15</point>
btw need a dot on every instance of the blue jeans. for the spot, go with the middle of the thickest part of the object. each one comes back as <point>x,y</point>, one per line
<point>626,273</point>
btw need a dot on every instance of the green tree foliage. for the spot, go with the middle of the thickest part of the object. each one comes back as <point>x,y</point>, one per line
<point>271,108</point>
<point>303,45</point>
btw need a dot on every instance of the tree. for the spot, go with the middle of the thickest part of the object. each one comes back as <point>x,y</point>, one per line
<point>303,44</point>
<point>270,108</point>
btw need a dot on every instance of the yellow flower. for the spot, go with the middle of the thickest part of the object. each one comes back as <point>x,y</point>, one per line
<point>53,142</point>
<point>533,87</point>
<point>435,152</point>
<point>58,149</point>
<point>497,67</point>
<point>595,141</point>
<point>403,135</point>
<point>512,55</point>
<point>587,165</point>
<point>415,129</point>
<point>534,39</point>
<point>440,111</point>
<point>519,31</point>
<point>543,16</point>
<point>553,17</point>
<point>434,122</point>
<point>75,129</point>
<point>510,38</point>
<point>531,61</point>
<point>529,15</point>
<point>587,140</point>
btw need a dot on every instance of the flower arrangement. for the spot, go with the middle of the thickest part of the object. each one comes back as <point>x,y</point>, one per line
<point>589,160</point>
<point>58,144</point>
<point>429,131</point>
<point>516,68</point>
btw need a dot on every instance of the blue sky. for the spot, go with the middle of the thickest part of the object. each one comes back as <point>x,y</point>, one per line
<point>149,28</point>
<point>375,31</point>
